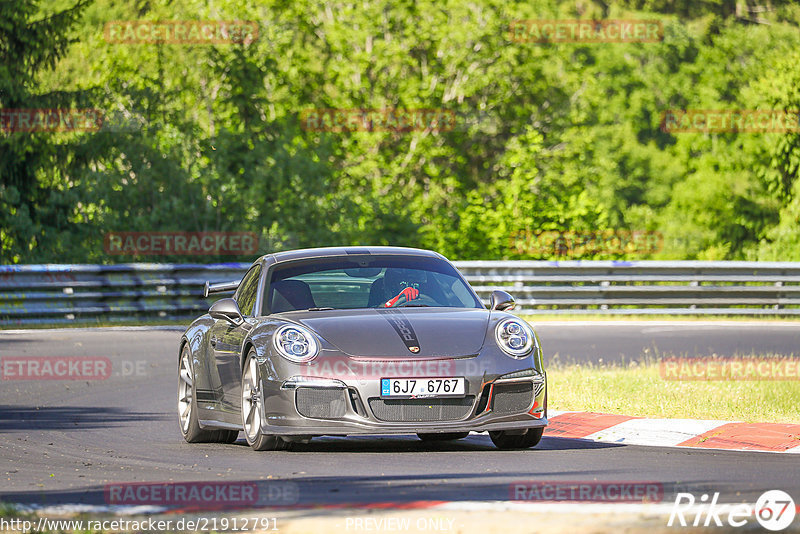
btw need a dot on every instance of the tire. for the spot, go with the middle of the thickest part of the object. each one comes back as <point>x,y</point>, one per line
<point>187,407</point>
<point>504,440</point>
<point>443,436</point>
<point>253,407</point>
<point>231,437</point>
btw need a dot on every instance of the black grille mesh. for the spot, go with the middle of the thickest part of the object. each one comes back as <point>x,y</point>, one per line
<point>512,398</point>
<point>421,410</point>
<point>321,403</point>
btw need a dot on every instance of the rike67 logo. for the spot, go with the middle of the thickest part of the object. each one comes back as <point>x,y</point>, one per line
<point>774,510</point>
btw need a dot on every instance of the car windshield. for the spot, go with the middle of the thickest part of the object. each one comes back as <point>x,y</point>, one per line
<point>367,282</point>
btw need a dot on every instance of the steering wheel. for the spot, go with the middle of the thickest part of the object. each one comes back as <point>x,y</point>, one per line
<point>402,300</point>
<point>421,300</point>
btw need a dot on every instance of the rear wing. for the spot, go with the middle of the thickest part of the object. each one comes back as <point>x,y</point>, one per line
<point>223,287</point>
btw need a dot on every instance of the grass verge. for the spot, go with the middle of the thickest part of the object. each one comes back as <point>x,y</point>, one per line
<point>638,389</point>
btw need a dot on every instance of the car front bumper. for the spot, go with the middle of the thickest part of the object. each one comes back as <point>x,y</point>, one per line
<point>299,406</point>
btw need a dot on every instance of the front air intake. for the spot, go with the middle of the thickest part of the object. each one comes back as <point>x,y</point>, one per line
<point>421,410</point>
<point>512,398</point>
<point>321,403</point>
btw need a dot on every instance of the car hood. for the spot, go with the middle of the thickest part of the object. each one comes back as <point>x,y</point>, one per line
<point>400,332</point>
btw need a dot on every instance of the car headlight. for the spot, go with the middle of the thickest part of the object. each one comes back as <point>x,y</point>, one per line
<point>296,343</point>
<point>514,337</point>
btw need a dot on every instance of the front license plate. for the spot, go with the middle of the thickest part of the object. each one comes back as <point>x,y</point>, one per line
<point>423,387</point>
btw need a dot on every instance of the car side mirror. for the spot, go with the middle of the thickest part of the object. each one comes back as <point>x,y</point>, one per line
<point>226,309</point>
<point>502,301</point>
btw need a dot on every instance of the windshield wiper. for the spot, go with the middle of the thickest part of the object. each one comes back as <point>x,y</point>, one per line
<point>318,309</point>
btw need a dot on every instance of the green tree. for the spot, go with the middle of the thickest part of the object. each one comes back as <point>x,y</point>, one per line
<point>37,192</point>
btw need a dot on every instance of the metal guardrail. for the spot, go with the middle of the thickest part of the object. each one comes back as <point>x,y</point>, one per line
<point>108,293</point>
<point>643,287</point>
<point>140,291</point>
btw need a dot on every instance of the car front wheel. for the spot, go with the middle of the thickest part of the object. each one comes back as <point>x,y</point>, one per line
<point>504,439</point>
<point>253,409</point>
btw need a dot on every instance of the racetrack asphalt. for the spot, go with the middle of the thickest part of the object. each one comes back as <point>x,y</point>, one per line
<point>614,341</point>
<point>64,441</point>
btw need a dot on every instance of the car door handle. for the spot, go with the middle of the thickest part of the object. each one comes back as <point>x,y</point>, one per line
<point>213,341</point>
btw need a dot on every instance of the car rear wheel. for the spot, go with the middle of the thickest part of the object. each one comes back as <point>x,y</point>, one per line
<point>443,436</point>
<point>253,409</point>
<point>187,407</point>
<point>504,439</point>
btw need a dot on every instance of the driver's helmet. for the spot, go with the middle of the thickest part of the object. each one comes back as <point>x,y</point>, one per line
<point>396,279</point>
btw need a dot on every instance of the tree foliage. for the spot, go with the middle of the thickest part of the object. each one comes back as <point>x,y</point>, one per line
<point>547,138</point>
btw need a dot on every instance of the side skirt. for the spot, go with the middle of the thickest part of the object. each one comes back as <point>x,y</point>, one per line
<point>206,423</point>
<point>211,415</point>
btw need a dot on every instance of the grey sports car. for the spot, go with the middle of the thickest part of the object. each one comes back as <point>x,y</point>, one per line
<point>366,340</point>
